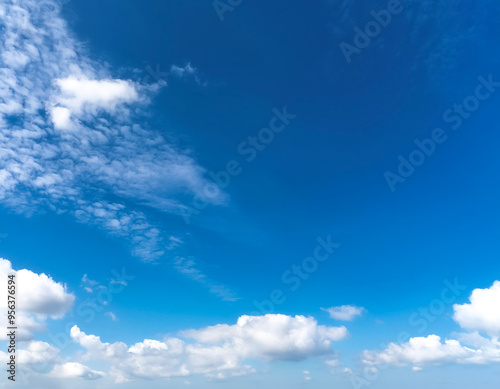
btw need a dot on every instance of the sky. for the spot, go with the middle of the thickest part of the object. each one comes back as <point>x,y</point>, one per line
<point>228,193</point>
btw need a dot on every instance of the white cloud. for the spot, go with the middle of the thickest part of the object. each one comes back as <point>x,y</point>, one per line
<point>38,354</point>
<point>79,93</point>
<point>61,117</point>
<point>75,370</point>
<point>40,358</point>
<point>420,351</point>
<point>344,312</point>
<point>276,337</point>
<point>77,128</point>
<point>218,351</point>
<point>72,136</point>
<point>483,312</point>
<point>37,296</point>
<point>94,346</point>
<point>182,71</point>
<point>189,268</point>
<point>187,71</point>
<point>112,316</point>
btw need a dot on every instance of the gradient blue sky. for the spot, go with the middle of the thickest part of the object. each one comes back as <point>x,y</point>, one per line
<point>198,87</point>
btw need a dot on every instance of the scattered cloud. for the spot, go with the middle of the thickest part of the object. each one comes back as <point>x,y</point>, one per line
<point>482,314</point>
<point>67,127</point>
<point>276,337</point>
<point>112,316</point>
<point>182,71</point>
<point>76,140</point>
<point>419,351</point>
<point>187,71</point>
<point>41,358</point>
<point>75,370</point>
<point>39,298</point>
<point>218,351</point>
<point>190,268</point>
<point>344,312</point>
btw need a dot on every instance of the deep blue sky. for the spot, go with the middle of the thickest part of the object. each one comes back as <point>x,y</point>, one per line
<point>322,175</point>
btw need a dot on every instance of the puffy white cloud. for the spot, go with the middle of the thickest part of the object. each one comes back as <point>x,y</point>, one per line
<point>75,370</point>
<point>420,351</point>
<point>79,93</point>
<point>273,336</point>
<point>38,354</point>
<point>219,351</point>
<point>94,346</point>
<point>483,312</point>
<point>344,312</point>
<point>61,117</point>
<point>37,296</point>
<point>37,358</point>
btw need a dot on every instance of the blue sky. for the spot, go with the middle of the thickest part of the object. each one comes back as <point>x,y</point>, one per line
<point>221,194</point>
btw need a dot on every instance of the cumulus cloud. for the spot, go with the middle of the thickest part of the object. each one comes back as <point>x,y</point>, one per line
<point>35,358</point>
<point>344,312</point>
<point>276,337</point>
<point>79,93</point>
<point>218,351</point>
<point>420,351</point>
<point>72,136</point>
<point>75,370</point>
<point>38,297</point>
<point>483,312</point>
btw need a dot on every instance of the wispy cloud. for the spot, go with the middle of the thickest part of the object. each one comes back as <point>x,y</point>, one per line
<point>187,71</point>
<point>75,140</point>
<point>112,316</point>
<point>190,268</point>
<point>344,312</point>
